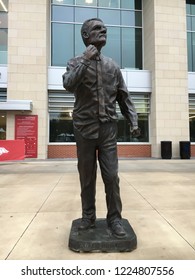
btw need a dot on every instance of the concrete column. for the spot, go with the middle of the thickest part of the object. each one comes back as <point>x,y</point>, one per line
<point>165,55</point>
<point>27,63</point>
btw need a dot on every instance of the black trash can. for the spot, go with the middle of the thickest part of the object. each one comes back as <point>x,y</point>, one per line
<point>185,152</point>
<point>166,149</point>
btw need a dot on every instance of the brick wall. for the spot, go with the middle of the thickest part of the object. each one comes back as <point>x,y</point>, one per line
<point>134,151</point>
<point>62,151</point>
<point>192,150</point>
<point>126,151</point>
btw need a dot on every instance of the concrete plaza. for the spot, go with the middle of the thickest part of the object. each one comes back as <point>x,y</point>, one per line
<point>40,198</point>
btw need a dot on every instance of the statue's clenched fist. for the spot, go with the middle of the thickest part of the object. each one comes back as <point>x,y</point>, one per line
<point>90,52</point>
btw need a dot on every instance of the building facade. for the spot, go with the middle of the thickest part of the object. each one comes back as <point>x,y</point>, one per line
<point>153,41</point>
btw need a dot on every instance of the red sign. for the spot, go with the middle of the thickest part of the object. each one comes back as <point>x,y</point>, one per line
<point>26,127</point>
<point>12,150</point>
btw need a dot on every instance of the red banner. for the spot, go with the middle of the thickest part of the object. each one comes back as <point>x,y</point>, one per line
<point>12,150</point>
<point>26,127</point>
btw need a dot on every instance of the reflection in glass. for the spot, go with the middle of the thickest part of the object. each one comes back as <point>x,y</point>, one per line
<point>3,20</point>
<point>4,6</point>
<point>61,105</point>
<point>192,127</point>
<point>2,125</point>
<point>66,2</point>
<point>124,134</point>
<point>86,2</point>
<point>61,127</point>
<point>109,3</point>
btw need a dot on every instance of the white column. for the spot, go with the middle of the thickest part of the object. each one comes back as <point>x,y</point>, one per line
<point>165,54</point>
<point>27,62</point>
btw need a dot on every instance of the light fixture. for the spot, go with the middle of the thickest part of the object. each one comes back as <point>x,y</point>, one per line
<point>88,1</point>
<point>3,5</point>
<point>2,130</point>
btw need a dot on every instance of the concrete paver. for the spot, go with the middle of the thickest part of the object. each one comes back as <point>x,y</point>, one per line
<point>40,199</point>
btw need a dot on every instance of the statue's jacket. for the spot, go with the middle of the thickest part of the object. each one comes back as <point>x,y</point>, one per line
<point>97,84</point>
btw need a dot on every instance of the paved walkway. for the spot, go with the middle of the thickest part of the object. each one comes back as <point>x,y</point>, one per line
<point>39,200</point>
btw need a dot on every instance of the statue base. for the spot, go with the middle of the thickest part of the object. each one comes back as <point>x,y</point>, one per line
<point>100,238</point>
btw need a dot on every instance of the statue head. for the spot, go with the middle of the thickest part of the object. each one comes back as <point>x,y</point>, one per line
<point>94,32</point>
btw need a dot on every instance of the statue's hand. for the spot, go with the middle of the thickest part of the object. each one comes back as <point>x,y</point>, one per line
<point>135,131</point>
<point>90,52</point>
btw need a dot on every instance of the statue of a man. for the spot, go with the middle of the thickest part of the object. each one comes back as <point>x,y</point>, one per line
<point>97,84</point>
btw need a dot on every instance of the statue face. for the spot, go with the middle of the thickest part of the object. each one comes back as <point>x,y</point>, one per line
<point>97,34</point>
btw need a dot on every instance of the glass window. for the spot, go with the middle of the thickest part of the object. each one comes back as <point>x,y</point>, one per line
<point>109,3</point>
<point>192,116</point>
<point>190,10</point>
<point>3,46</point>
<point>86,2</point>
<point>131,48</point>
<point>128,48</point>
<point>193,24</point>
<point>124,134</point>
<point>112,17</point>
<point>2,125</point>
<point>193,51</point>
<point>82,14</point>
<point>4,6</point>
<point>131,4</point>
<point>3,20</point>
<point>3,31</point>
<point>113,45</point>
<point>79,45</point>
<point>66,2</point>
<point>189,38</point>
<point>189,23</point>
<point>62,13</point>
<point>131,18</point>
<point>192,127</point>
<point>61,127</point>
<point>3,98</point>
<point>61,105</point>
<point>62,43</point>
<point>118,46</point>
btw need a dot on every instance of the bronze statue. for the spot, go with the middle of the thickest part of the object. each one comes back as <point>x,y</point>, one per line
<point>97,84</point>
